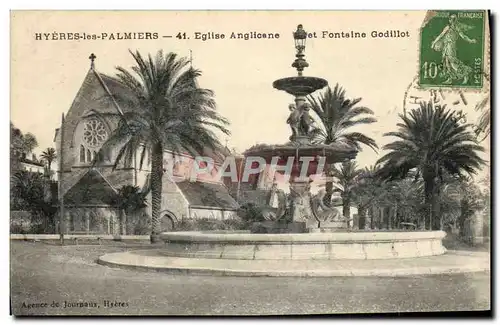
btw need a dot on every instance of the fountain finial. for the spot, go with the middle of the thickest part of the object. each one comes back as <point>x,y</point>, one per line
<point>300,36</point>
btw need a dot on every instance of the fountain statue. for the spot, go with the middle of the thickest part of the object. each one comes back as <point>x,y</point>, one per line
<point>327,217</point>
<point>300,121</point>
<point>294,120</point>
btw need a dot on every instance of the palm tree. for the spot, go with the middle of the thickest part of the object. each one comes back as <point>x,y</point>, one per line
<point>337,116</point>
<point>30,192</point>
<point>348,177</point>
<point>462,197</point>
<point>49,155</point>
<point>366,192</point>
<point>403,199</point>
<point>432,141</point>
<point>167,110</point>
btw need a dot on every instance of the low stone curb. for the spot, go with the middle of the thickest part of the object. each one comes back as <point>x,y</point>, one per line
<point>119,260</point>
<point>57,237</point>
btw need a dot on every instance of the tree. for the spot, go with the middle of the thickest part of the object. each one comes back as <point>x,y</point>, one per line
<point>30,143</point>
<point>166,110</point>
<point>405,197</point>
<point>432,142</point>
<point>366,192</point>
<point>21,143</point>
<point>16,147</point>
<point>31,192</point>
<point>49,155</point>
<point>337,116</point>
<point>348,176</point>
<point>130,199</point>
<point>370,193</point>
<point>462,197</point>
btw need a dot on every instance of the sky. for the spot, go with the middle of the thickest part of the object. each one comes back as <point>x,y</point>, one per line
<point>47,74</point>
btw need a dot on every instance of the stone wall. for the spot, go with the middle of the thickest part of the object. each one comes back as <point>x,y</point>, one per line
<point>173,202</point>
<point>138,223</point>
<point>94,220</point>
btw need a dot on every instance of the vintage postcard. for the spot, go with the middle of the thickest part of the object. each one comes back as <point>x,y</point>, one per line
<point>250,162</point>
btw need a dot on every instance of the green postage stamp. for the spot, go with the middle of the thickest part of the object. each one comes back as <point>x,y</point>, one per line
<point>452,49</point>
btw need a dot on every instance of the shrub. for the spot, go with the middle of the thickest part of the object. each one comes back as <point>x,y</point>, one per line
<point>16,228</point>
<point>251,212</point>
<point>138,223</point>
<point>210,225</point>
<point>142,228</point>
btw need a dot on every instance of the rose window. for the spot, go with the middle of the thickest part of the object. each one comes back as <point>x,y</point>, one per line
<point>94,133</point>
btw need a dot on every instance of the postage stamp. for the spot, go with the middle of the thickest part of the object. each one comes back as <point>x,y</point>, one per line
<point>452,50</point>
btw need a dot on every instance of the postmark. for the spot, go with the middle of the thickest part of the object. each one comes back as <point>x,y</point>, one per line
<point>452,50</point>
<point>468,103</point>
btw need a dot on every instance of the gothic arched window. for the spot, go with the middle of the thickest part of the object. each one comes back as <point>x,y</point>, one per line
<point>82,154</point>
<point>94,134</point>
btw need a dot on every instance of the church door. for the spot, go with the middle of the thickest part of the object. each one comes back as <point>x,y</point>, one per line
<point>167,223</point>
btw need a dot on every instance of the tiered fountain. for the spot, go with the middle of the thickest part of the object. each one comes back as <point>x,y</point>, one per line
<point>310,230</point>
<point>306,212</point>
<point>310,239</point>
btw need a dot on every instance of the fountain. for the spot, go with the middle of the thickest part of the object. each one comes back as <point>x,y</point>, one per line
<point>310,230</point>
<point>311,239</point>
<point>307,212</point>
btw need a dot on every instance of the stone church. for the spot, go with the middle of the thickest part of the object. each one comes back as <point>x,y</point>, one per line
<point>89,191</point>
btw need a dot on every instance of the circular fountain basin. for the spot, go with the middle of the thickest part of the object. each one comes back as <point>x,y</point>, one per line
<point>303,246</point>
<point>300,85</point>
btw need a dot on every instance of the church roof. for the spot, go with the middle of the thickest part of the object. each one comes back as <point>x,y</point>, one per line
<point>70,179</point>
<point>31,162</point>
<point>210,195</point>
<point>91,189</point>
<point>115,179</point>
<point>115,89</point>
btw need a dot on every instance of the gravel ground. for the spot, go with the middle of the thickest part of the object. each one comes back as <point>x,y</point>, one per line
<point>54,280</point>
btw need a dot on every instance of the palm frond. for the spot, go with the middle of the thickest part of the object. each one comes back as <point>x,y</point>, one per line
<point>432,141</point>
<point>337,115</point>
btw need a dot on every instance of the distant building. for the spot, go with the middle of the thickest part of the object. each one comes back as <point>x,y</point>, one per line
<point>257,189</point>
<point>32,165</point>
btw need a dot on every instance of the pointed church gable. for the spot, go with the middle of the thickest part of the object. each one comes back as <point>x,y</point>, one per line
<point>91,189</point>
<point>85,100</point>
<point>94,99</point>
